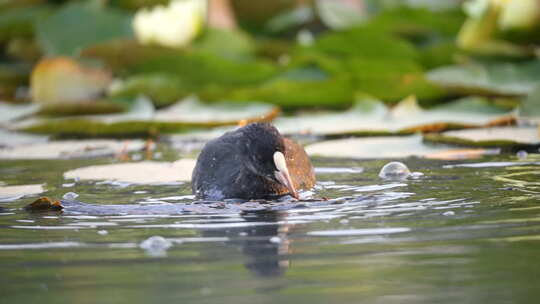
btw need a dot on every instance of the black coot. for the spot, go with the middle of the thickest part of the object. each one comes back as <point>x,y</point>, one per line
<point>252,162</point>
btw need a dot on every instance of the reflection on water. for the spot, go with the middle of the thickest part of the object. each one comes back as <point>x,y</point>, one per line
<point>461,233</point>
<point>266,247</point>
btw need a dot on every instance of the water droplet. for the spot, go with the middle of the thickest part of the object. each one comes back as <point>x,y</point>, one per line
<point>449,213</point>
<point>156,246</point>
<point>394,171</point>
<point>70,196</point>
<point>344,221</point>
<point>522,155</point>
<point>103,232</point>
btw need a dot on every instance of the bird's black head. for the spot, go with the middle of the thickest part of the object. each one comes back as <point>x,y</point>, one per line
<point>264,148</point>
<point>262,140</point>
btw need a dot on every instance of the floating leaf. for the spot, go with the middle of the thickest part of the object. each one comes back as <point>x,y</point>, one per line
<point>290,19</point>
<point>141,120</point>
<point>311,80</point>
<point>339,15</point>
<point>490,137</point>
<point>504,79</point>
<point>82,108</point>
<point>120,54</point>
<point>371,117</point>
<point>191,110</point>
<point>12,139</point>
<point>146,172</point>
<point>9,193</point>
<point>163,89</point>
<point>365,43</point>
<point>414,22</point>
<point>19,21</point>
<point>293,94</point>
<point>70,149</point>
<point>376,147</point>
<point>226,43</point>
<point>392,80</point>
<point>80,24</point>
<point>204,68</point>
<point>529,110</point>
<point>10,112</point>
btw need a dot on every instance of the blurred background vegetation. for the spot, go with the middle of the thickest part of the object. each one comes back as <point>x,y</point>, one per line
<point>98,56</point>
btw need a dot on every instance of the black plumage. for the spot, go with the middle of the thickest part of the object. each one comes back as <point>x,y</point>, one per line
<point>242,164</point>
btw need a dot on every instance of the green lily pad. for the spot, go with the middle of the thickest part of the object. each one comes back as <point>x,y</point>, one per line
<point>413,22</point>
<point>371,117</point>
<point>293,94</point>
<point>19,22</point>
<point>290,19</point>
<point>121,54</point>
<point>489,137</point>
<point>502,79</point>
<point>529,110</point>
<point>339,15</point>
<point>143,120</point>
<point>8,193</point>
<point>146,172</point>
<point>70,149</point>
<point>81,108</point>
<point>392,80</point>
<point>365,43</point>
<point>191,110</point>
<point>163,89</point>
<point>88,24</point>
<point>226,43</point>
<point>374,147</point>
<point>204,68</point>
<point>11,112</point>
<point>13,139</point>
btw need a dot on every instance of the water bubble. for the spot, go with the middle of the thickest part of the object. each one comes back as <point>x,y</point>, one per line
<point>344,221</point>
<point>70,196</point>
<point>156,246</point>
<point>449,213</point>
<point>522,155</point>
<point>394,171</point>
<point>103,232</point>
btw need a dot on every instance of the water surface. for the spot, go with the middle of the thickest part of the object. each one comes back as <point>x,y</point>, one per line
<point>457,234</point>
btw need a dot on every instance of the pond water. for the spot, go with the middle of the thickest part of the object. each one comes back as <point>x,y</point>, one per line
<point>457,234</point>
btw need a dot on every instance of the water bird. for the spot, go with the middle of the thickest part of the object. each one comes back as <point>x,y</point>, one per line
<point>252,162</point>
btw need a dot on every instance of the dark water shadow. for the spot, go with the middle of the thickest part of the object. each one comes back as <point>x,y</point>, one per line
<point>266,247</point>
